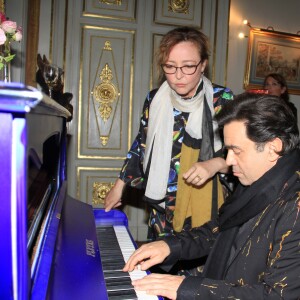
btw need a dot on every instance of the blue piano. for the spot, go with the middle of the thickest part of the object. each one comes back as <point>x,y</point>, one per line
<point>53,246</point>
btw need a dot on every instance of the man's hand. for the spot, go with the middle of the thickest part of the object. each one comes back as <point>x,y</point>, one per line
<point>159,284</point>
<point>147,256</point>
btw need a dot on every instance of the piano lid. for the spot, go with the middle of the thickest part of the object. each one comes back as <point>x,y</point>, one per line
<point>17,97</point>
<point>33,132</point>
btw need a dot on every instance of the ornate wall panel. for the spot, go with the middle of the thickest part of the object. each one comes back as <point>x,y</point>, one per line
<point>92,186</point>
<point>105,101</point>
<point>94,182</point>
<point>178,12</point>
<point>110,9</point>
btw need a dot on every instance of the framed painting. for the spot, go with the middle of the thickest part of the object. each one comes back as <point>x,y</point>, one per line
<point>273,52</point>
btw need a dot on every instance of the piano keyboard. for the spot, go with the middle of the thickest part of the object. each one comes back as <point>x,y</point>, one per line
<point>116,247</point>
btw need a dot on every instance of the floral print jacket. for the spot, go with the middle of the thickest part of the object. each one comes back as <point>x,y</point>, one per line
<point>132,171</point>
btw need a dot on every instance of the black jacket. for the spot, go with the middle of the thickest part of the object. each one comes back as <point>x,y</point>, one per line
<point>265,258</point>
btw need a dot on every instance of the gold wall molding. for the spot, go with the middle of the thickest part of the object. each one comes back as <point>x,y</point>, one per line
<point>111,9</point>
<point>105,93</point>
<point>2,6</point>
<point>111,2</point>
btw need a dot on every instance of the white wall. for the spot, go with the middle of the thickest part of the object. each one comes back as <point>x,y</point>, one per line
<point>281,15</point>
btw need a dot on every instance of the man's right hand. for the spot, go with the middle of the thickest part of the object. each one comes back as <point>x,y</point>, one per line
<point>147,256</point>
<point>113,198</point>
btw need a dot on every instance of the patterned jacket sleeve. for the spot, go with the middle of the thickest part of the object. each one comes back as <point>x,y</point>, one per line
<point>132,170</point>
<point>221,96</point>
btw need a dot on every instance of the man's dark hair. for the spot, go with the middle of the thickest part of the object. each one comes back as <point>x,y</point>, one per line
<point>266,117</point>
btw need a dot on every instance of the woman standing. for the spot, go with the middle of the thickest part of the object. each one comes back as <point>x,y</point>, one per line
<point>276,85</point>
<point>176,155</point>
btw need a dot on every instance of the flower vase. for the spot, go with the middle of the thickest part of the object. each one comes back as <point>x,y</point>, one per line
<point>6,72</point>
<point>5,69</point>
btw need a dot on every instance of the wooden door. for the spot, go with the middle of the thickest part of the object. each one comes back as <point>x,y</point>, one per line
<point>108,52</point>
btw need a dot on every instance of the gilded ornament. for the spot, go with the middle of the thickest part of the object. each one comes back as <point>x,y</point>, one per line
<point>111,2</point>
<point>106,74</point>
<point>105,93</point>
<point>107,46</point>
<point>179,6</point>
<point>100,189</point>
<point>104,139</point>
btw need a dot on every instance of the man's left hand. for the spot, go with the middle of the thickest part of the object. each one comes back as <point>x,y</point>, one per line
<point>159,284</point>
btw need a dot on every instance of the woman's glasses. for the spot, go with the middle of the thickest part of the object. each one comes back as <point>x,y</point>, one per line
<point>187,70</point>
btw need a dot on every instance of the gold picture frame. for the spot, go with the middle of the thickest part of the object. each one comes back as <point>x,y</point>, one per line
<point>273,52</point>
<point>32,42</point>
<point>2,6</point>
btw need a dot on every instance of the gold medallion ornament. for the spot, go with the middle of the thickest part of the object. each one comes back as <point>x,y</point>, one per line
<point>100,189</point>
<point>179,6</point>
<point>105,93</point>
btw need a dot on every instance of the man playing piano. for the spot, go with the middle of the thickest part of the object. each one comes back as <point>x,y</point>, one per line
<point>253,247</point>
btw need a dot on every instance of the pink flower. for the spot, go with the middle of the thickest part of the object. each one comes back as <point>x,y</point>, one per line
<point>2,37</point>
<point>9,26</point>
<point>9,32</point>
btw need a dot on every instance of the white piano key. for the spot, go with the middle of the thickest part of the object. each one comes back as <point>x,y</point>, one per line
<point>127,249</point>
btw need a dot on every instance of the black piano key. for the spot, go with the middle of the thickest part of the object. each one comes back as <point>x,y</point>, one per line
<point>123,294</point>
<point>112,257</point>
<point>118,283</point>
<point>128,297</point>
<point>118,260</point>
<point>112,268</point>
<point>115,274</point>
<point>119,287</point>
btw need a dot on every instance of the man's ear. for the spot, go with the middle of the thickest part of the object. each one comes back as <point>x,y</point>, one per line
<point>275,146</point>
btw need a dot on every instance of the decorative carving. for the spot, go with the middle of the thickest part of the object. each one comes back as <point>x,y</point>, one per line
<point>179,6</point>
<point>105,93</point>
<point>104,140</point>
<point>111,2</point>
<point>100,189</point>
